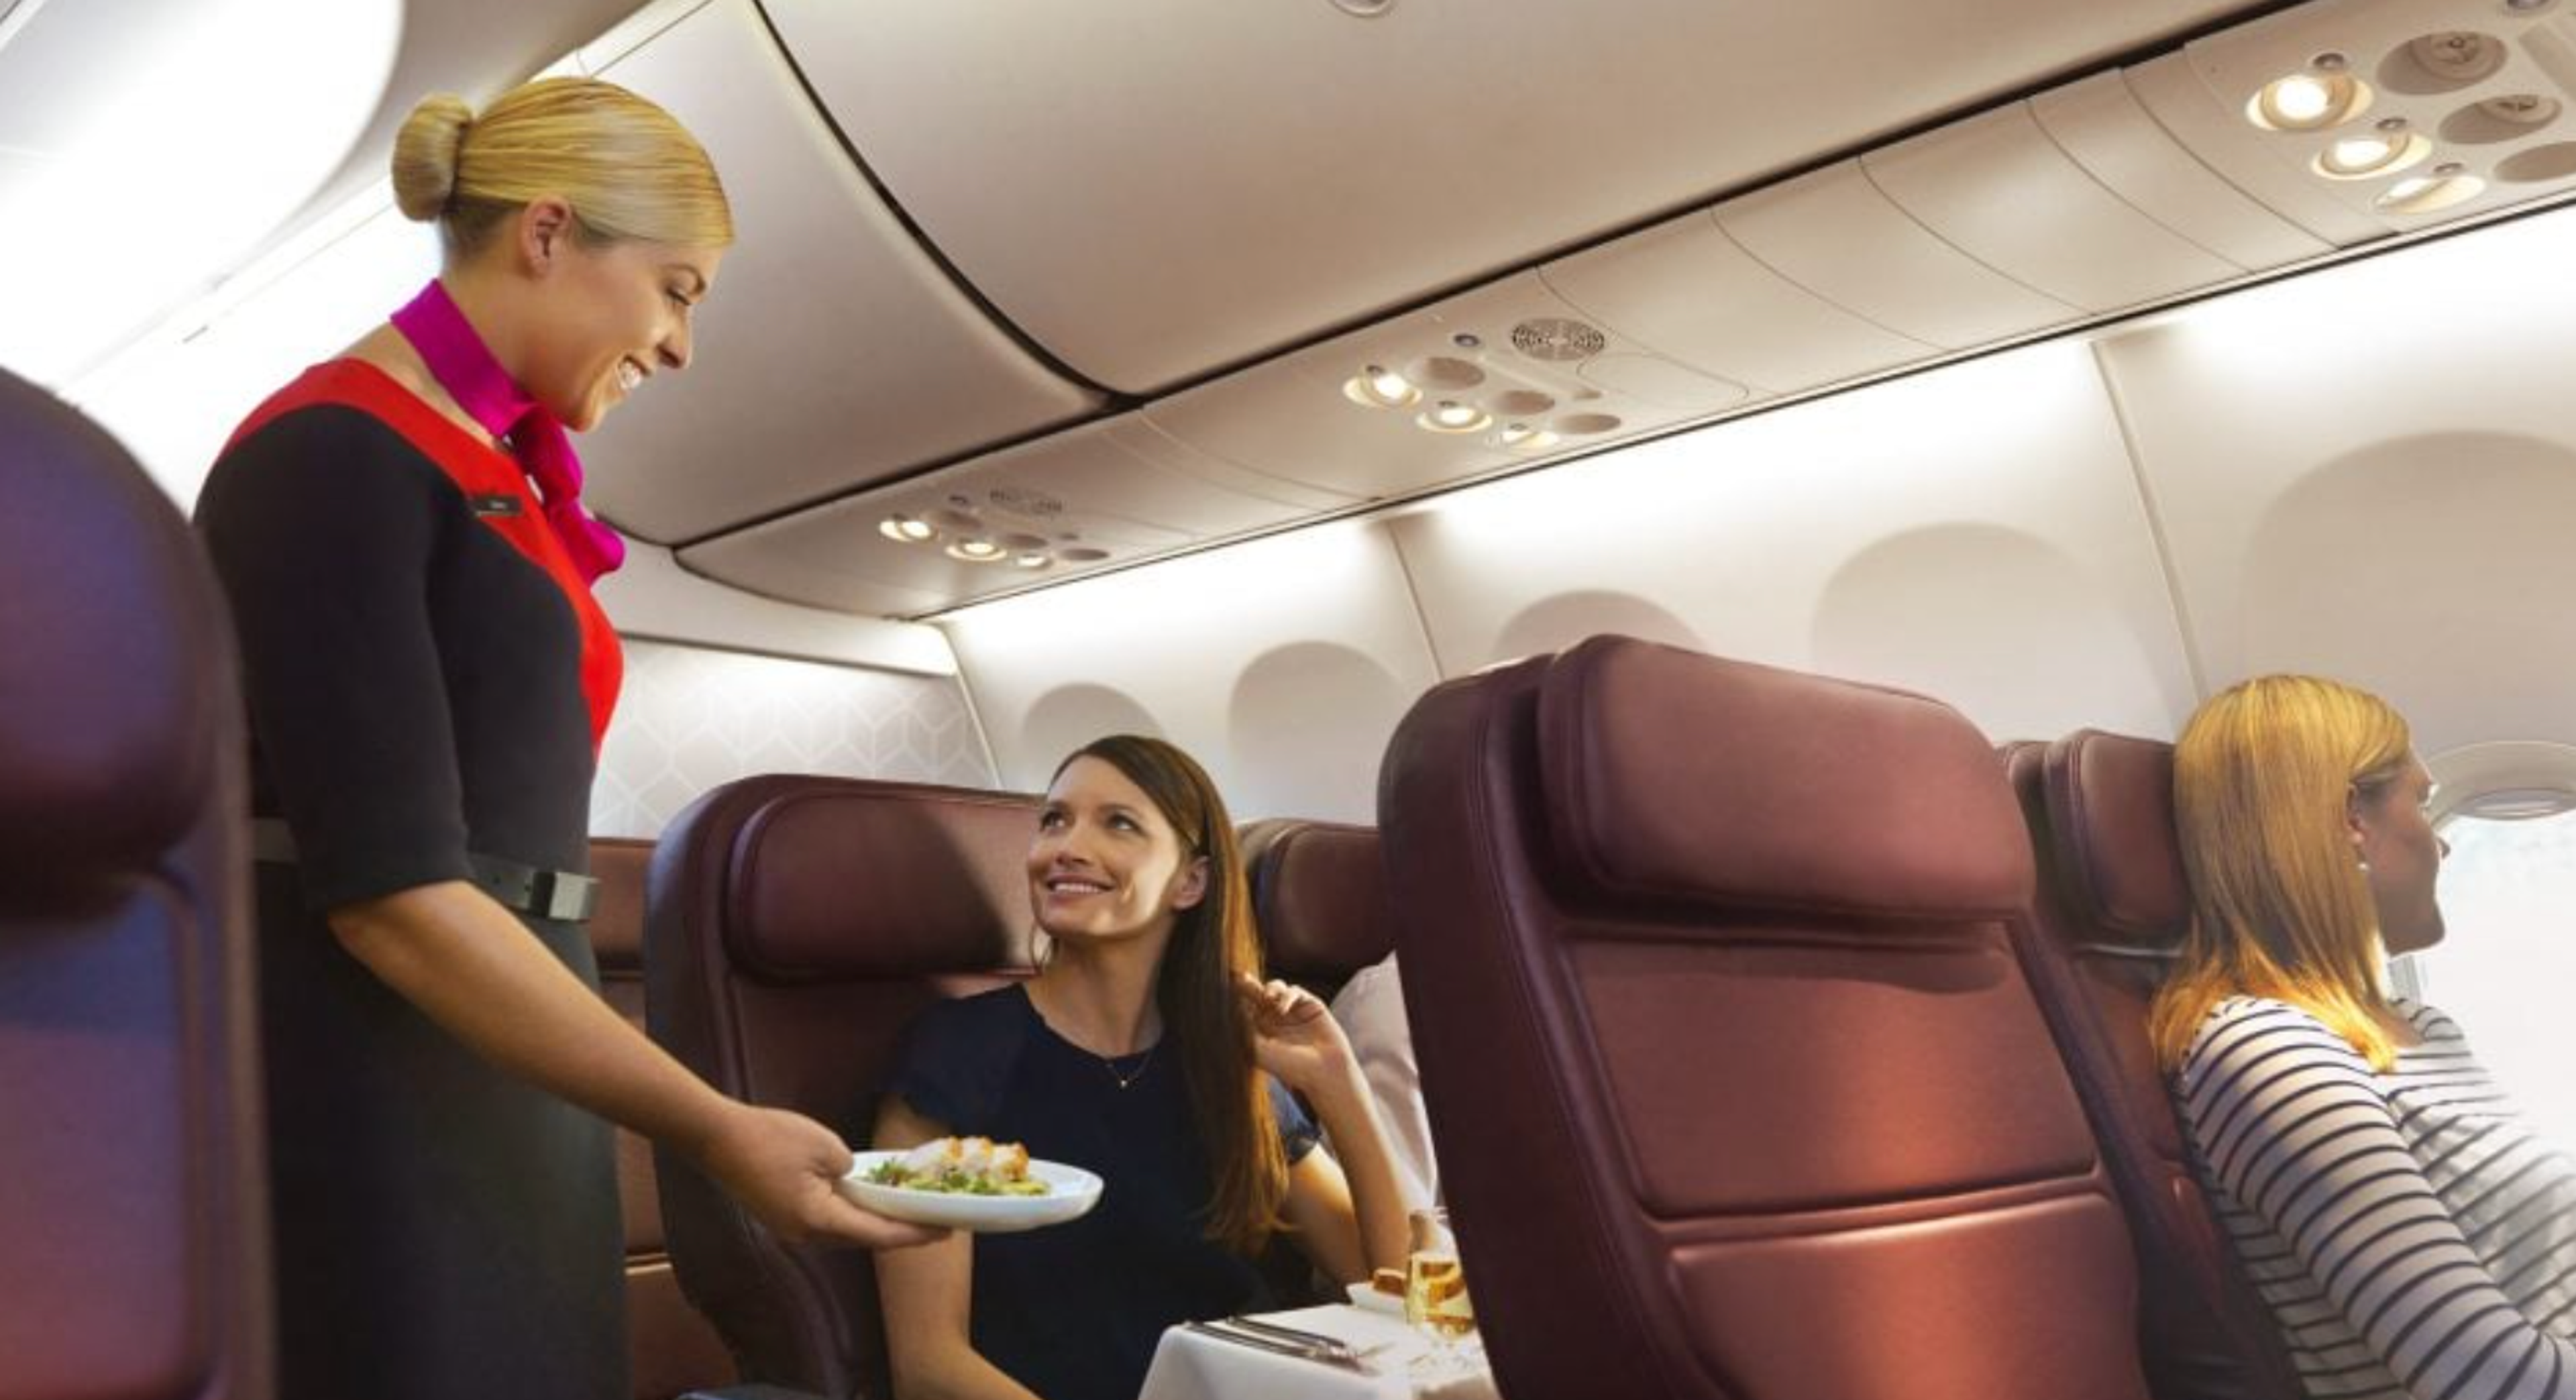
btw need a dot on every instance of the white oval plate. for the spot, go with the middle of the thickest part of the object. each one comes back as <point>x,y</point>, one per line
<point>1076,1191</point>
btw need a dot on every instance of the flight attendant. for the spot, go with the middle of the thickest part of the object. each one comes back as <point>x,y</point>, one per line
<point>400,535</point>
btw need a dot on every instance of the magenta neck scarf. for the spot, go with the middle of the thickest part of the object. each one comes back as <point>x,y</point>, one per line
<point>463,366</point>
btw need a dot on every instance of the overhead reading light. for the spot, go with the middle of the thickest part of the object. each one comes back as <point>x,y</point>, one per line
<point>1031,560</point>
<point>2369,157</point>
<point>2311,101</point>
<point>1451,416</point>
<point>975,551</point>
<point>1380,387</point>
<point>2519,804</point>
<point>2446,187</point>
<point>1521,437</point>
<point>903,529</point>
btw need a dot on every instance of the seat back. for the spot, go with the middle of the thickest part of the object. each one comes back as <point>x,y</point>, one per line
<point>133,1231</point>
<point>671,1347</point>
<point>1736,1082</point>
<point>794,926</point>
<point>2113,908</point>
<point>1319,896</point>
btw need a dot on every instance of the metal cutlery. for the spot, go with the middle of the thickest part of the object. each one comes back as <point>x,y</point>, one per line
<point>1304,1346</point>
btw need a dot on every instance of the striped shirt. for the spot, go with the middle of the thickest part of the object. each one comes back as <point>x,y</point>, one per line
<point>2414,1240</point>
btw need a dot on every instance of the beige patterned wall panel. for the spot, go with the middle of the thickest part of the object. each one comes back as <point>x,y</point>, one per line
<point>691,719</point>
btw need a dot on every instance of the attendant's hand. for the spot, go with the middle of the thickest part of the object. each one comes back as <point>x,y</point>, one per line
<point>1296,1039</point>
<point>782,1166</point>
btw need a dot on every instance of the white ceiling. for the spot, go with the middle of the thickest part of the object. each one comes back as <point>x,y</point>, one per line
<point>1092,282</point>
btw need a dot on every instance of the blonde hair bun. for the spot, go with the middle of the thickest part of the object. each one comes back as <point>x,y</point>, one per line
<point>426,153</point>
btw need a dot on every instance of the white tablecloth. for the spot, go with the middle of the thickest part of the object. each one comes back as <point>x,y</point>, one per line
<point>1193,1366</point>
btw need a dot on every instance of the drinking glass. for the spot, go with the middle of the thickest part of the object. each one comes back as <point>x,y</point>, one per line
<point>1435,1291</point>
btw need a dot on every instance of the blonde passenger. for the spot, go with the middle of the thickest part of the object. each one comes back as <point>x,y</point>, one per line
<point>400,535</point>
<point>2413,1238</point>
<point>1149,1050</point>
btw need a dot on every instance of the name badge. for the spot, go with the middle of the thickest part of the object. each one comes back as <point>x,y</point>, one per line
<point>496,505</point>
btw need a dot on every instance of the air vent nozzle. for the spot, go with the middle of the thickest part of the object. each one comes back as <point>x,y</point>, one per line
<point>1558,338</point>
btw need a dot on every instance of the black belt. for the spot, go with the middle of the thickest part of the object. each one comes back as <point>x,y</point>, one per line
<point>547,894</point>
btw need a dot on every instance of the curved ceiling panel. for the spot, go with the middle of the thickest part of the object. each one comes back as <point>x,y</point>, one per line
<point>1835,234</point>
<point>1493,378</point>
<point>1693,293</point>
<point>2354,482</point>
<point>1222,180</point>
<point>1999,189</point>
<point>834,352</point>
<point>1098,496</point>
<point>2101,126</point>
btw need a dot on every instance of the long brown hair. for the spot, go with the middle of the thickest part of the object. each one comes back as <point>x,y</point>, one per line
<point>1212,941</point>
<point>2263,777</point>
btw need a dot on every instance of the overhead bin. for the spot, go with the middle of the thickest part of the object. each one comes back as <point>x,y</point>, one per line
<point>1185,230</point>
<point>1485,380</point>
<point>834,352</point>
<point>1156,189</point>
<point>1097,496</point>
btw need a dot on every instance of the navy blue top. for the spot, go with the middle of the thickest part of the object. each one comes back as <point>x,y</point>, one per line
<point>1074,1311</point>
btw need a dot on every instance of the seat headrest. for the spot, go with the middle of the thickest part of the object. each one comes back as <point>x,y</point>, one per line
<point>2111,829</point>
<point>617,926</point>
<point>1673,777</point>
<point>113,655</point>
<point>846,879</point>
<point>1319,894</point>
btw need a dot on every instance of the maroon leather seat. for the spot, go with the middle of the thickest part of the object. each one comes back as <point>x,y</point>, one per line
<point>672,1348</point>
<point>1319,895</point>
<point>794,927</point>
<point>1738,1087</point>
<point>133,1234</point>
<point>2114,906</point>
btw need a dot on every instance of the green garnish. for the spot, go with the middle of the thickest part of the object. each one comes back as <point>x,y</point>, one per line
<point>890,1172</point>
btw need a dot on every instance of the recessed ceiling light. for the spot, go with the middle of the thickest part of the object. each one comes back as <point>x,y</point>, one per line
<point>975,551</point>
<point>1521,437</point>
<point>903,529</point>
<point>1380,387</point>
<point>2427,194</point>
<point>2370,156</point>
<point>1451,416</point>
<point>1032,560</point>
<point>2308,102</point>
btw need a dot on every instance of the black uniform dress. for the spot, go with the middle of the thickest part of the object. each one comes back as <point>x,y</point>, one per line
<point>426,677</point>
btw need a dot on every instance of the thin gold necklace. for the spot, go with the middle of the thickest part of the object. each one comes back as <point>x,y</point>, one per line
<point>1143,1061</point>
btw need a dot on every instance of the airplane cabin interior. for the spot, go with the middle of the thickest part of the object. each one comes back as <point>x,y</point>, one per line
<point>1695,525</point>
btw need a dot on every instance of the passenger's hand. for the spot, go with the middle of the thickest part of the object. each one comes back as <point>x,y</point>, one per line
<point>1295,1038</point>
<point>781,1166</point>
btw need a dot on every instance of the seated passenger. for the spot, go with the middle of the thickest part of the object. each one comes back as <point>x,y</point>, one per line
<point>2412,1236</point>
<point>1371,1010</point>
<point>1145,1050</point>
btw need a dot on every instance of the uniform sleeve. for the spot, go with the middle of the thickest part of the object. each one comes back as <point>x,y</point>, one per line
<point>322,526</point>
<point>2294,1127</point>
<point>1297,1132</point>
